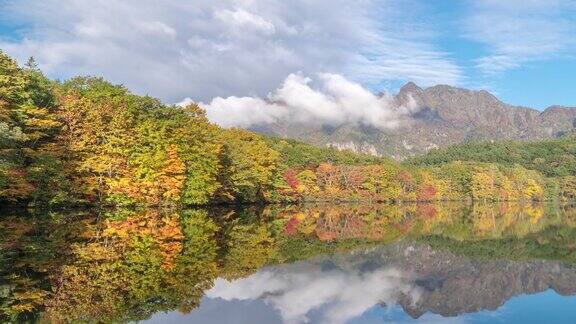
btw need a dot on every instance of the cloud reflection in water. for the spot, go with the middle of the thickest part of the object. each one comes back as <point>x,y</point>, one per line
<point>334,295</point>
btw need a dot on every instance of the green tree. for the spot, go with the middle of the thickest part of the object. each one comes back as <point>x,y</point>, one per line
<point>248,167</point>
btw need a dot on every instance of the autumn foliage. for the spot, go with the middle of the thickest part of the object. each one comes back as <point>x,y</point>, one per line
<point>88,142</point>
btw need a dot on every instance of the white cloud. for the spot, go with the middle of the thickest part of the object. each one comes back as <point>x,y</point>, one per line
<point>209,48</point>
<point>243,19</point>
<point>243,112</point>
<point>517,32</point>
<point>297,290</point>
<point>334,101</point>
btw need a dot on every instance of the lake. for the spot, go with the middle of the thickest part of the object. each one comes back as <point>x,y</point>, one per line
<point>316,263</point>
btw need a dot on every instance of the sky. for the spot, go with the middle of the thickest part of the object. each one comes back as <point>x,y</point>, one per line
<point>523,51</point>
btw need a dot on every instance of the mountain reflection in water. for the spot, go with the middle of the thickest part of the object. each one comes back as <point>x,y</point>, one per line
<point>318,263</point>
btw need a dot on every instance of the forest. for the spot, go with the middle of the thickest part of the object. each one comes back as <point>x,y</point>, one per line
<point>552,158</point>
<point>87,142</point>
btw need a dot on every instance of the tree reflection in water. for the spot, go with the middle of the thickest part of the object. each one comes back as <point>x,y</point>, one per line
<point>125,265</point>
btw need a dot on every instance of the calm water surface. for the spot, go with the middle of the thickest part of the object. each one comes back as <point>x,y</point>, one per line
<point>308,264</point>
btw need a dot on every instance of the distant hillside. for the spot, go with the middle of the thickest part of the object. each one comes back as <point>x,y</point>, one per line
<point>446,116</point>
<point>550,157</point>
<point>296,153</point>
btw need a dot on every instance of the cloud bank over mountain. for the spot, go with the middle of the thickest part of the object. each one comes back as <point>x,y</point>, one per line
<point>329,100</point>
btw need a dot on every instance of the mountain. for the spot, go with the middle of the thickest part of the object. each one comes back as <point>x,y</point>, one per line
<point>341,287</point>
<point>445,116</point>
<point>451,284</point>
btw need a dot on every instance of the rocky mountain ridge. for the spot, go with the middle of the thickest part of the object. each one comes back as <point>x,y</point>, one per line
<point>445,116</point>
<point>449,284</point>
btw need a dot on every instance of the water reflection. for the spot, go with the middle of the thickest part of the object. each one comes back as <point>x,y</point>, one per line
<point>294,263</point>
<point>412,276</point>
<point>297,290</point>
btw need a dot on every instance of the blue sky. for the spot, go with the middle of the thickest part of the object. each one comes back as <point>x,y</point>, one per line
<point>522,51</point>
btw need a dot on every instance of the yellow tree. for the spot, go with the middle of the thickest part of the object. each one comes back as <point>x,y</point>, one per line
<point>533,190</point>
<point>174,175</point>
<point>482,186</point>
<point>307,182</point>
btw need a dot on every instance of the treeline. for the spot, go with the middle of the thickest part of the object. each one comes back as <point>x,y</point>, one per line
<point>86,141</point>
<point>553,158</point>
<point>391,182</point>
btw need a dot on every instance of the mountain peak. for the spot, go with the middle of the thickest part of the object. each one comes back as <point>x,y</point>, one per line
<point>410,87</point>
<point>408,93</point>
